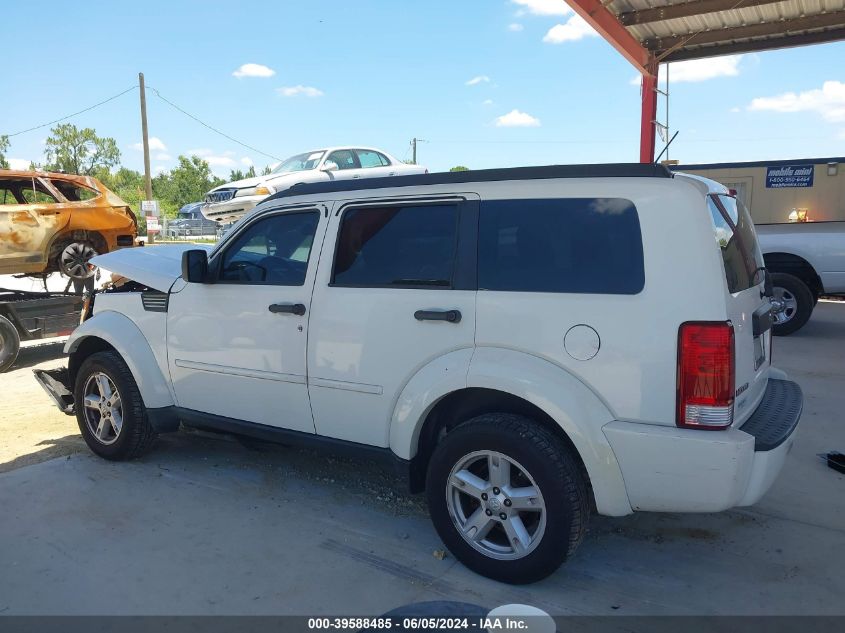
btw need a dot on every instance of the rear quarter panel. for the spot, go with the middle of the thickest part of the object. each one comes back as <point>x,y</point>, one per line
<point>634,372</point>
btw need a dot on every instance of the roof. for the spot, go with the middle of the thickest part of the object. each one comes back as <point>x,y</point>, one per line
<point>761,163</point>
<point>675,30</point>
<point>38,173</point>
<point>606,170</point>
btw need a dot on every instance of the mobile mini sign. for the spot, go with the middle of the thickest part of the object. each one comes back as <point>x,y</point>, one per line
<point>789,176</point>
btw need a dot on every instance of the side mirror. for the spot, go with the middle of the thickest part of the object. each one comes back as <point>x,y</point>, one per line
<point>195,266</point>
<point>329,165</point>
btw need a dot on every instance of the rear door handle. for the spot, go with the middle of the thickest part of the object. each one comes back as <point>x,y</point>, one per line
<point>452,316</point>
<point>287,308</point>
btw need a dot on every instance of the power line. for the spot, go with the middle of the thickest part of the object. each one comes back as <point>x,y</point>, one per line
<point>96,105</point>
<point>213,129</point>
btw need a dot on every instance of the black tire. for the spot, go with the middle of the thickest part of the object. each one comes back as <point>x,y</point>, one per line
<point>10,344</point>
<point>136,435</point>
<point>804,304</point>
<point>554,470</point>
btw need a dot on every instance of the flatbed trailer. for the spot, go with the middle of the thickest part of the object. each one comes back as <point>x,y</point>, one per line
<point>28,316</point>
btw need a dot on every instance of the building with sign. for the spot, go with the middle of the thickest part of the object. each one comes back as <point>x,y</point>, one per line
<point>775,190</point>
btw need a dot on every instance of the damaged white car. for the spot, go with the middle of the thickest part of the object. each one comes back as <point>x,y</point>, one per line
<point>525,345</point>
<point>231,201</point>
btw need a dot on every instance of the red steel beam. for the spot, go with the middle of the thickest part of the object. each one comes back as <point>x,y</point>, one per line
<point>610,28</point>
<point>648,118</point>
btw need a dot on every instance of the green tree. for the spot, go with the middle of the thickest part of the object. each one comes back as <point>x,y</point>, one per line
<point>4,147</point>
<point>459,168</point>
<point>267,170</point>
<point>79,151</point>
<point>237,174</point>
<point>188,182</point>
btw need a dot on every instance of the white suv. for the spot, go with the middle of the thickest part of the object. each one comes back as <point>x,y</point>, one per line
<point>231,201</point>
<point>526,345</point>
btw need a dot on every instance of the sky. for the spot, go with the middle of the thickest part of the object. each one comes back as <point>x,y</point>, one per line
<point>483,83</point>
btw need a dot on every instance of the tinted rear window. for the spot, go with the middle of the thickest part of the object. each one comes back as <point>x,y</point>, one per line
<point>578,245</point>
<point>737,241</point>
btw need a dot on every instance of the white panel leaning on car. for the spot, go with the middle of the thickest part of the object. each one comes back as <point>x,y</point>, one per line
<point>233,200</point>
<point>525,345</point>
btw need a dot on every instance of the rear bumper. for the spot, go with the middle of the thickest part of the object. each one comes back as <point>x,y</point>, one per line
<point>668,469</point>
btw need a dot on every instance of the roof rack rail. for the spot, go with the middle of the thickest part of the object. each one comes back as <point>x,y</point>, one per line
<point>602,170</point>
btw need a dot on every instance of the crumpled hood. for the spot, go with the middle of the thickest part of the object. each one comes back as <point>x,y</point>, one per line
<point>241,184</point>
<point>154,266</point>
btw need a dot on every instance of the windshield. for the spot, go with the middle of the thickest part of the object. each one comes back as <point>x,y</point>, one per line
<point>300,162</point>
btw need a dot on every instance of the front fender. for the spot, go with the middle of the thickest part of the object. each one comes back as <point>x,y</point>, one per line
<point>574,406</point>
<point>123,335</point>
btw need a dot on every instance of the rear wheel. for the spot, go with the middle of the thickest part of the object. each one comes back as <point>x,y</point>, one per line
<point>73,260</point>
<point>109,409</point>
<point>10,343</point>
<point>792,304</point>
<point>507,498</point>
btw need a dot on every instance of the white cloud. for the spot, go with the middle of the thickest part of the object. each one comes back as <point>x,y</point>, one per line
<point>163,156</point>
<point>736,110</point>
<point>543,7</point>
<point>214,160</point>
<point>703,69</point>
<point>159,168</point>
<point>253,70</point>
<point>575,28</point>
<point>18,163</point>
<point>515,118</point>
<point>300,90</point>
<point>487,102</point>
<point>828,101</point>
<point>156,145</point>
<point>247,162</point>
<point>478,79</point>
<point>698,69</point>
<point>515,27</point>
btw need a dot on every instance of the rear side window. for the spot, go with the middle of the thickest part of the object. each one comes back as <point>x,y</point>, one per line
<point>410,246</point>
<point>74,192</point>
<point>574,245</point>
<point>737,241</point>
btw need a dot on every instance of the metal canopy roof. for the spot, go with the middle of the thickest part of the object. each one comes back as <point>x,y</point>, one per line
<point>673,30</point>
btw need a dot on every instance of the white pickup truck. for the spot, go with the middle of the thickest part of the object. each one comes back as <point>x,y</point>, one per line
<point>807,260</point>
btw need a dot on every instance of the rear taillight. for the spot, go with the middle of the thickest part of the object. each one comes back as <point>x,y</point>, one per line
<point>705,375</point>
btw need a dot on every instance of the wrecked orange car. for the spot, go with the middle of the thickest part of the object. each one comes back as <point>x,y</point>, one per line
<point>56,222</point>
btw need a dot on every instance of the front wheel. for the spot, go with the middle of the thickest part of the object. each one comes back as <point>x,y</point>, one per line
<point>792,304</point>
<point>507,498</point>
<point>111,415</point>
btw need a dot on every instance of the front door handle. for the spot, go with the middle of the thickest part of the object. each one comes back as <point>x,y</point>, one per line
<point>452,316</point>
<point>287,308</point>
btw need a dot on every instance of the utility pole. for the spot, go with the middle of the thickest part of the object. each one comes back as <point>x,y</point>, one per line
<point>414,142</point>
<point>148,183</point>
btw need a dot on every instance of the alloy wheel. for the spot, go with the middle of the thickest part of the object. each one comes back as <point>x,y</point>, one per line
<point>103,408</point>
<point>74,260</point>
<point>785,305</point>
<point>496,505</point>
